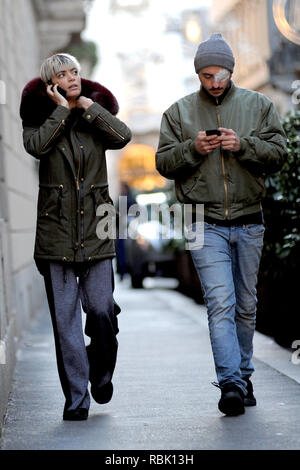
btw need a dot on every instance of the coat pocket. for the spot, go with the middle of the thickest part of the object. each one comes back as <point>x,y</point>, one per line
<point>53,229</point>
<point>51,201</point>
<point>99,211</point>
<point>100,195</point>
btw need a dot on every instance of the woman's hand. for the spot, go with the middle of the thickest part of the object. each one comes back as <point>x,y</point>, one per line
<point>84,102</point>
<point>56,96</point>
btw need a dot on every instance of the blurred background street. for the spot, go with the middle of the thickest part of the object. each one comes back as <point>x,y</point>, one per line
<point>143,51</point>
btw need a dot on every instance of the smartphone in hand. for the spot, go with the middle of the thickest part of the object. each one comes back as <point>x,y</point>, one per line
<point>213,132</point>
<point>60,90</point>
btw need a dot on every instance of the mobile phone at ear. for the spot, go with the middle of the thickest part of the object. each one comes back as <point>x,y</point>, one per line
<point>62,91</point>
<point>213,132</point>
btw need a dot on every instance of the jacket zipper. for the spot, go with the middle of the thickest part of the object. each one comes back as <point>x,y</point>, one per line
<point>110,127</point>
<point>223,167</point>
<point>53,135</point>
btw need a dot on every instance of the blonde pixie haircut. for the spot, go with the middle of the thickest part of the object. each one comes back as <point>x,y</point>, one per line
<point>52,65</point>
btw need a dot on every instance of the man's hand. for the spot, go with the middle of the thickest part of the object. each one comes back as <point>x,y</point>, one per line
<point>229,140</point>
<point>206,143</point>
<point>56,96</point>
<point>84,102</point>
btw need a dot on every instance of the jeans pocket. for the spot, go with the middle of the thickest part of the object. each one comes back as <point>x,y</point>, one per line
<point>255,230</point>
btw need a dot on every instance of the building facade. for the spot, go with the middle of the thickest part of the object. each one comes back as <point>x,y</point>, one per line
<point>148,65</point>
<point>28,33</point>
<point>266,61</point>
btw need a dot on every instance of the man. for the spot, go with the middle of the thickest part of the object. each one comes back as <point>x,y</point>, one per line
<point>68,124</point>
<point>225,173</point>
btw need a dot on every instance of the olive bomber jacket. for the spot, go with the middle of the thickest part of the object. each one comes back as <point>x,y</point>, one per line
<point>70,147</point>
<point>230,185</point>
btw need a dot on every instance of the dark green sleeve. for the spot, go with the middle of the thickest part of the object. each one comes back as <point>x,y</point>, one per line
<point>113,132</point>
<point>39,140</point>
<point>266,150</point>
<point>174,154</point>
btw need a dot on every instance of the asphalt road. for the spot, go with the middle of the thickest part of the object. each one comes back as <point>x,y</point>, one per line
<point>163,394</point>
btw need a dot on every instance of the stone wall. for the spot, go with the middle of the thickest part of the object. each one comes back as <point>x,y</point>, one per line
<point>20,284</point>
<point>25,26</point>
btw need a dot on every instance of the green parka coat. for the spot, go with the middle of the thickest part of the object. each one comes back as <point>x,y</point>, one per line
<point>230,185</point>
<point>70,146</point>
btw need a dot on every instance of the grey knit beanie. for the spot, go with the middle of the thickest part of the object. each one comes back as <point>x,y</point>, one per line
<point>214,51</point>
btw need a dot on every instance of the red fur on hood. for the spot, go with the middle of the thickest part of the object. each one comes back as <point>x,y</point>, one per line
<point>36,106</point>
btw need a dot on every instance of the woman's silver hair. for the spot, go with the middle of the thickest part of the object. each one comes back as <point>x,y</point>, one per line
<point>52,65</point>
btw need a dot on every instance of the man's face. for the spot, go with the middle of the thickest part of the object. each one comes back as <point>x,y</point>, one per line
<point>214,79</point>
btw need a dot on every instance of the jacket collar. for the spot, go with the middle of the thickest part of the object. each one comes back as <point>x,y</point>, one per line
<point>217,101</point>
<point>36,106</point>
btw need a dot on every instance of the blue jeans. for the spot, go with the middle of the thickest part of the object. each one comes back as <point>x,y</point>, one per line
<point>227,266</point>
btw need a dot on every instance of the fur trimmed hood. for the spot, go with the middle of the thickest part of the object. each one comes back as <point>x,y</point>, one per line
<point>36,106</point>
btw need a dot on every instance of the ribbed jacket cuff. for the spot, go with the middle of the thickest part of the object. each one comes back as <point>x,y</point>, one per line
<point>243,146</point>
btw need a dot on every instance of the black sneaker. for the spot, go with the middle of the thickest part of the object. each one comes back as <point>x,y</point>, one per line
<point>249,399</point>
<point>81,414</point>
<point>232,400</point>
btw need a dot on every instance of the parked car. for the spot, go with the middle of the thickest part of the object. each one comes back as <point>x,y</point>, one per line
<point>148,253</point>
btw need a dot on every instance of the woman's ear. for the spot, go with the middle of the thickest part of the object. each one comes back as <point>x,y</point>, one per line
<point>50,83</point>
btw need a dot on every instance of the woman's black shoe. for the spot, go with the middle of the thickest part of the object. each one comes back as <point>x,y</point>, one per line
<point>102,394</point>
<point>80,414</point>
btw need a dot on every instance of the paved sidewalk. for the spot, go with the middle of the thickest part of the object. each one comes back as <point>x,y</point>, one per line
<point>163,394</point>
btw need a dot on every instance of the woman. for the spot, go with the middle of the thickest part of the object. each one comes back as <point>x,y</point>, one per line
<point>68,123</point>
